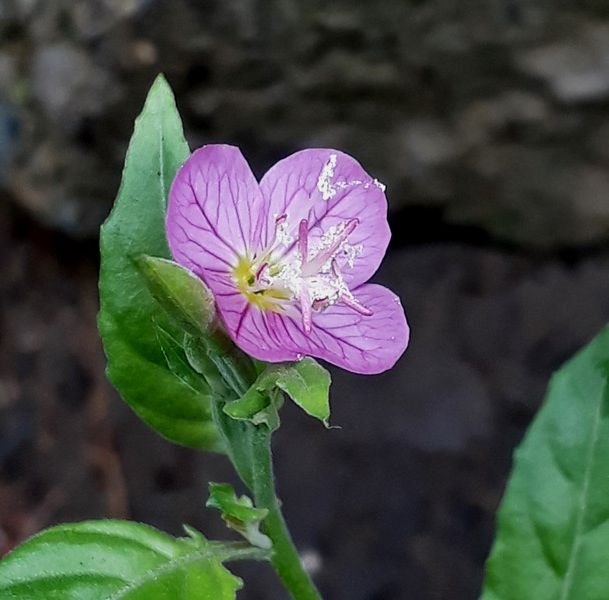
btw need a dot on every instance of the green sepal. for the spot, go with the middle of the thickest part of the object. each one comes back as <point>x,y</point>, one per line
<point>195,350</point>
<point>248,406</point>
<point>258,407</point>
<point>178,363</point>
<point>239,513</point>
<point>179,292</point>
<point>306,382</point>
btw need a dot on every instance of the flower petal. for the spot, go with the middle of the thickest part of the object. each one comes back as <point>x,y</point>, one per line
<point>328,187</point>
<point>339,335</point>
<point>214,210</point>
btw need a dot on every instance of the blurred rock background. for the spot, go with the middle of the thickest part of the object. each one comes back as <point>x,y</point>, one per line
<point>489,123</point>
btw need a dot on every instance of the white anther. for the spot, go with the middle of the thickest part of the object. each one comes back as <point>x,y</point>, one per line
<point>324,181</point>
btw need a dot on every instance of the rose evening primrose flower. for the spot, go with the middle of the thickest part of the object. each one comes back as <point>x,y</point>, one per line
<point>288,258</point>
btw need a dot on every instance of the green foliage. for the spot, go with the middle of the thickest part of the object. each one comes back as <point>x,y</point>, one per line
<point>239,513</point>
<point>118,560</point>
<point>553,534</point>
<point>306,382</point>
<point>137,364</point>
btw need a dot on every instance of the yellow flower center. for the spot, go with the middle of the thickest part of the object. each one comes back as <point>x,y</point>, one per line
<point>309,277</point>
<point>269,298</point>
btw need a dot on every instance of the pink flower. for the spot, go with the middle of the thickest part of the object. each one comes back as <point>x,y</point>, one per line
<point>288,258</point>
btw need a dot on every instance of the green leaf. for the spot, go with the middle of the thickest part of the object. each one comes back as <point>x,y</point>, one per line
<point>553,524</point>
<point>239,513</point>
<point>118,560</point>
<point>137,365</point>
<point>183,295</point>
<point>306,382</point>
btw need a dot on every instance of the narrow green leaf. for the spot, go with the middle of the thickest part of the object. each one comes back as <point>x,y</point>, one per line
<point>553,524</point>
<point>239,513</point>
<point>183,295</point>
<point>137,365</point>
<point>117,560</point>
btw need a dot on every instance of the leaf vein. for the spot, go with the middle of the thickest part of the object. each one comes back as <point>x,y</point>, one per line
<point>583,501</point>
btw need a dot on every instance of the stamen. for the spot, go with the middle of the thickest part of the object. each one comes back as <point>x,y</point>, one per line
<point>326,254</point>
<point>335,271</point>
<point>281,231</point>
<point>321,303</point>
<point>351,302</point>
<point>303,240</point>
<point>305,306</point>
<point>261,269</point>
<point>280,236</point>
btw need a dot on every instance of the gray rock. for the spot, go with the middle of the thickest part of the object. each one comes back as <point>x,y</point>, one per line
<point>576,69</point>
<point>483,120</point>
<point>15,11</point>
<point>485,110</point>
<point>8,73</point>
<point>535,196</point>
<point>69,85</point>
<point>430,143</point>
<point>62,188</point>
<point>96,17</point>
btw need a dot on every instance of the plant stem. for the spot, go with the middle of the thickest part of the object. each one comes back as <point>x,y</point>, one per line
<point>285,558</point>
<point>249,449</point>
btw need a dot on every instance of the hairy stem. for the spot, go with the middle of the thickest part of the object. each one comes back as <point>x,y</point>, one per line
<point>285,557</point>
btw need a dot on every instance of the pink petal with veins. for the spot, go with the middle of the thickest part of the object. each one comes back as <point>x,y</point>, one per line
<point>214,209</point>
<point>339,335</point>
<point>292,187</point>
